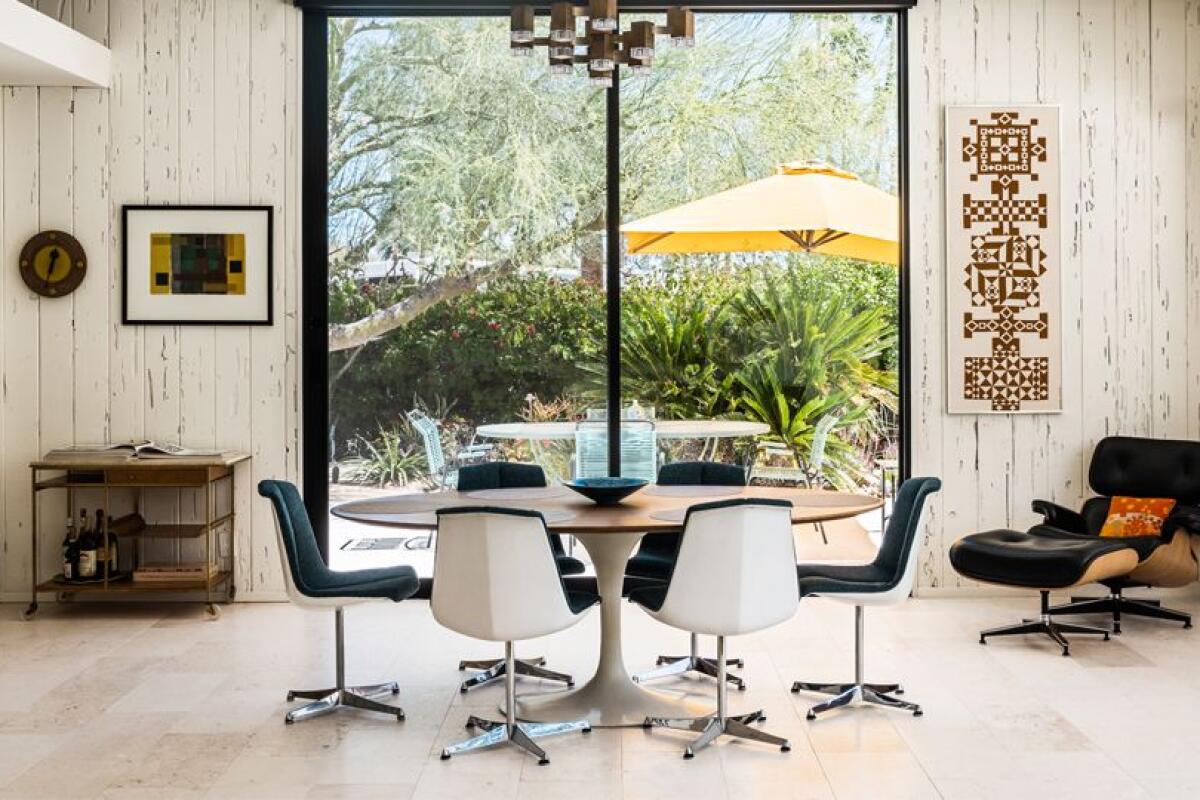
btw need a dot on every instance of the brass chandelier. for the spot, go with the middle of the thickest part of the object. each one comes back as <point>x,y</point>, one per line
<point>603,45</point>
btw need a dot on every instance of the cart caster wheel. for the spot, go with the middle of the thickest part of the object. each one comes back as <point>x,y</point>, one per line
<point>212,613</point>
<point>28,613</point>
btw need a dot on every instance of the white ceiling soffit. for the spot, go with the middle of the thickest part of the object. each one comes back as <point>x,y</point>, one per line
<point>37,50</point>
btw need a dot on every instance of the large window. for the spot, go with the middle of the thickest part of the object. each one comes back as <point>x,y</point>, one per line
<point>468,270</point>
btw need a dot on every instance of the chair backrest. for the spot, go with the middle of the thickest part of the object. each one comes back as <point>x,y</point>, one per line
<point>303,566</point>
<point>736,568</point>
<point>701,473</point>
<point>500,475</point>
<point>816,451</point>
<point>427,429</point>
<point>494,575</point>
<point>639,449</point>
<point>898,552</point>
<point>1135,467</point>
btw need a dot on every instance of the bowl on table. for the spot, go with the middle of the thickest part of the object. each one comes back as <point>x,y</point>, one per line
<point>606,491</point>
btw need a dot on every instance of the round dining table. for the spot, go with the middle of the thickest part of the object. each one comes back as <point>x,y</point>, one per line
<point>609,533</point>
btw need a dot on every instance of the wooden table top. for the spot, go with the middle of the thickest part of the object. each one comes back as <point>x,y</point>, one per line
<point>571,513</point>
<point>107,460</point>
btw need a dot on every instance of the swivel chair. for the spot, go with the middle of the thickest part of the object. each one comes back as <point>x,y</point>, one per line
<point>888,580</point>
<point>495,578</point>
<point>655,558</point>
<point>735,574</point>
<point>312,584</point>
<point>509,475</point>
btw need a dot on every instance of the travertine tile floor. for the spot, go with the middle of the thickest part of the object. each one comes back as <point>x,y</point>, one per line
<point>156,703</point>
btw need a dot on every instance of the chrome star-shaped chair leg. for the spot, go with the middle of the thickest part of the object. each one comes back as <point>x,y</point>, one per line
<point>693,662</point>
<point>493,670</point>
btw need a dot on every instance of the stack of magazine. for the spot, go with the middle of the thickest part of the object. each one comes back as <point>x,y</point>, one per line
<point>169,573</point>
<point>142,449</point>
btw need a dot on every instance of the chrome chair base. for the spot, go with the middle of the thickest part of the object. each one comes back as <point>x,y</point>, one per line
<point>860,694</point>
<point>693,662</point>
<point>494,670</point>
<point>518,734</point>
<point>1045,624</point>
<point>326,701</point>
<point>838,688</point>
<point>715,725</point>
<point>1117,604</point>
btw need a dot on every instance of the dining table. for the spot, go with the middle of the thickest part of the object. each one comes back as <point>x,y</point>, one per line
<point>609,533</point>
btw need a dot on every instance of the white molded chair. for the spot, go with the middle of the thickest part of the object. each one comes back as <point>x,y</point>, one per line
<point>886,581</point>
<point>735,574</point>
<point>312,584</point>
<point>495,578</point>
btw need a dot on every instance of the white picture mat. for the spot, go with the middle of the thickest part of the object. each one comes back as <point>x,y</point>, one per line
<point>141,305</point>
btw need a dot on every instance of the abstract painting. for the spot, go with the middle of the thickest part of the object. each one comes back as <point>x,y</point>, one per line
<point>1003,266</point>
<point>197,265</point>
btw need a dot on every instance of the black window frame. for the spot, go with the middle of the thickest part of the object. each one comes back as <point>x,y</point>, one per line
<point>314,250</point>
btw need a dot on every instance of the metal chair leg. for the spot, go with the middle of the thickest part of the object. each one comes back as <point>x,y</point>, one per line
<point>510,731</point>
<point>1046,626</point>
<point>859,692</point>
<point>494,670</point>
<point>692,662</point>
<point>720,723</point>
<point>342,696</point>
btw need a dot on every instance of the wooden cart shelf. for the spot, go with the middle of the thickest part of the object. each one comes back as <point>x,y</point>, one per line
<point>109,473</point>
<point>127,585</point>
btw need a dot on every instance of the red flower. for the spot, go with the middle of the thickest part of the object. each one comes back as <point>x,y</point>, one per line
<point>455,335</point>
<point>494,325</point>
<point>530,328</point>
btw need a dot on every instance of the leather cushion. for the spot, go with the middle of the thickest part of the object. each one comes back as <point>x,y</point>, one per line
<point>828,579</point>
<point>1137,467</point>
<point>1144,545</point>
<point>569,565</point>
<point>649,597</point>
<point>651,563</point>
<point>579,600</point>
<point>1039,561</point>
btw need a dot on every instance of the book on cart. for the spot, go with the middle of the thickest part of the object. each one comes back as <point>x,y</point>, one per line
<point>136,449</point>
<point>165,573</point>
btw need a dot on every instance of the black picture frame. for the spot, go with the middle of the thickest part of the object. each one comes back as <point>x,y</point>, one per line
<point>267,321</point>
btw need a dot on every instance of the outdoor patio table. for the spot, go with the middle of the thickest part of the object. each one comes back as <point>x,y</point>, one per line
<point>609,533</point>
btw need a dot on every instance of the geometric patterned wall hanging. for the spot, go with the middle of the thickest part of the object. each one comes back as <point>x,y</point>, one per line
<point>1003,266</point>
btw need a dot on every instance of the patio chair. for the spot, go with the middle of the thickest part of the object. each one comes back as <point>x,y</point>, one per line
<point>444,472</point>
<point>796,475</point>
<point>639,449</point>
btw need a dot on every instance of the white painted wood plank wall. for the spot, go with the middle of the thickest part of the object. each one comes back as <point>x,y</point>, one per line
<point>203,109</point>
<point>1127,76</point>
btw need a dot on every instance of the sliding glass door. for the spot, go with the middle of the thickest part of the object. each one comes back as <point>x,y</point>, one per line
<point>470,275</point>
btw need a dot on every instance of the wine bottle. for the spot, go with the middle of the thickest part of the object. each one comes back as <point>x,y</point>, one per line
<point>70,551</point>
<point>101,544</point>
<point>113,550</point>
<point>87,548</point>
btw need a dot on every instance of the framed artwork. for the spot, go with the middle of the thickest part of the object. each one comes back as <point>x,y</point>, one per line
<point>1003,260</point>
<point>197,265</point>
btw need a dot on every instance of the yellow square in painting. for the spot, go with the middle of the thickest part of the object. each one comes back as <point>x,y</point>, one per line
<point>1136,516</point>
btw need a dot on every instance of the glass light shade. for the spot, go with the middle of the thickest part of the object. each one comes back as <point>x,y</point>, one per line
<point>601,65</point>
<point>601,80</point>
<point>520,37</point>
<point>561,69</point>
<point>604,24</point>
<point>562,35</point>
<point>642,53</point>
<point>562,52</point>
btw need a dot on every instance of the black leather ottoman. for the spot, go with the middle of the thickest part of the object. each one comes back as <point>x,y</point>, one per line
<point>1044,561</point>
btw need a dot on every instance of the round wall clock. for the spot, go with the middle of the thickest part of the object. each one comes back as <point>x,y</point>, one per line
<point>53,263</point>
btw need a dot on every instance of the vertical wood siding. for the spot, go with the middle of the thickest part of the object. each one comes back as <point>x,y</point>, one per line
<point>202,109</point>
<point>1126,74</point>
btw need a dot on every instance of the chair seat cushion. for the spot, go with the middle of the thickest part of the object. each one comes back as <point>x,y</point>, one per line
<point>825,579</point>
<point>656,566</point>
<point>651,597</point>
<point>569,565</point>
<point>579,601</point>
<point>392,583</point>
<point>1033,560</point>
<point>1144,545</point>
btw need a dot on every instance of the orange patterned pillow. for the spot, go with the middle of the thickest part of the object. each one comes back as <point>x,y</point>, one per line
<point>1136,516</point>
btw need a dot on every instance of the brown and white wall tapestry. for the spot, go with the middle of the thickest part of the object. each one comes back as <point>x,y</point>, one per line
<point>1003,281</point>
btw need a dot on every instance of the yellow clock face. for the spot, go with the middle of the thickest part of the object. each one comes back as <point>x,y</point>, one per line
<point>53,264</point>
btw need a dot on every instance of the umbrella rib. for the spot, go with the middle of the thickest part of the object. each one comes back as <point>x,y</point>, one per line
<point>651,241</point>
<point>800,238</point>
<point>827,237</point>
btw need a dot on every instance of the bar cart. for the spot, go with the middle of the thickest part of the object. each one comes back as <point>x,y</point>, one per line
<point>111,474</point>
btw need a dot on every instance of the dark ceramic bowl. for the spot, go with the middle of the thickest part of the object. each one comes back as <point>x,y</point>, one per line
<point>606,491</point>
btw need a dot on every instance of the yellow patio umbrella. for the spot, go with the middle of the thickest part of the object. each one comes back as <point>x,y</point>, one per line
<point>805,206</point>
